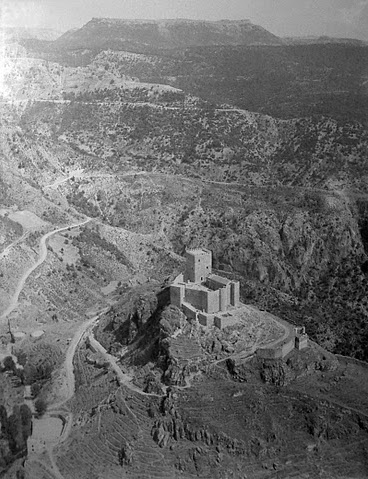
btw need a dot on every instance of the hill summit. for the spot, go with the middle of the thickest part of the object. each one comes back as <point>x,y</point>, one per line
<point>180,33</point>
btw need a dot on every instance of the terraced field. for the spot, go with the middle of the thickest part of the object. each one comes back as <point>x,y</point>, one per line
<point>283,430</point>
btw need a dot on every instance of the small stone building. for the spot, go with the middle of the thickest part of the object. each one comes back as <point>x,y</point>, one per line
<point>200,293</point>
<point>301,338</point>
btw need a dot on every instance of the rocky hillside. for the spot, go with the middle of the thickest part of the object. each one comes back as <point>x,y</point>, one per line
<point>220,64</point>
<point>280,202</point>
<point>157,128</point>
<point>219,416</point>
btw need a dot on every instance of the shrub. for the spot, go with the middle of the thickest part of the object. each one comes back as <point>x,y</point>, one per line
<point>40,406</point>
<point>9,364</point>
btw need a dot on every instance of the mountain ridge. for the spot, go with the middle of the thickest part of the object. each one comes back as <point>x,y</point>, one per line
<point>166,34</point>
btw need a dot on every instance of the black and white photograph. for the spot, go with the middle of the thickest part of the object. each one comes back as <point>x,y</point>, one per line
<point>183,239</point>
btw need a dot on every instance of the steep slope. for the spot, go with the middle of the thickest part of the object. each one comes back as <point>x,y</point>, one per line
<point>156,128</point>
<point>218,419</point>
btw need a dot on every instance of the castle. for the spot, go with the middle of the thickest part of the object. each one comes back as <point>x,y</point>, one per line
<point>213,300</point>
<point>202,295</point>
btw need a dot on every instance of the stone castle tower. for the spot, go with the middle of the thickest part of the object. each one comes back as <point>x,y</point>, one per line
<point>198,265</point>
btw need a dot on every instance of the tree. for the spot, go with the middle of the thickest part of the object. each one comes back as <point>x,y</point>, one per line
<point>16,438</point>
<point>3,419</point>
<point>40,406</point>
<point>9,364</point>
<point>39,372</point>
<point>22,358</point>
<point>35,389</point>
<point>26,419</point>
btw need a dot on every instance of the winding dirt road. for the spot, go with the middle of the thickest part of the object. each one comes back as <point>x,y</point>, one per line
<point>123,379</point>
<point>70,382</point>
<point>42,256</point>
<point>68,363</point>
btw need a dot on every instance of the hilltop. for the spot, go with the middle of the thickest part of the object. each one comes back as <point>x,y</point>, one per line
<point>189,404</point>
<point>116,34</point>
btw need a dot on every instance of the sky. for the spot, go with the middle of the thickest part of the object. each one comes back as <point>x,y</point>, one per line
<point>342,18</point>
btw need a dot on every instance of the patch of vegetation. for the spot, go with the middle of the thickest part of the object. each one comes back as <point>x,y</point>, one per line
<point>15,430</point>
<point>40,360</point>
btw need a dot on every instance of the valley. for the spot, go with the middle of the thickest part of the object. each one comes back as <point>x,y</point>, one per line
<point>123,144</point>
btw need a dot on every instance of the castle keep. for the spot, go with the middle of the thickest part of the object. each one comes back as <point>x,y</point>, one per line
<point>203,295</point>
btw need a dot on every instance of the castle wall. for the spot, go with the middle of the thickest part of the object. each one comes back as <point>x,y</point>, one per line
<point>197,298</point>
<point>235,293</point>
<point>206,319</point>
<point>216,282</point>
<point>278,351</point>
<point>301,342</point>
<point>177,294</point>
<point>288,347</point>
<point>179,279</point>
<point>223,297</point>
<point>212,301</point>
<point>189,311</point>
<point>272,353</point>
